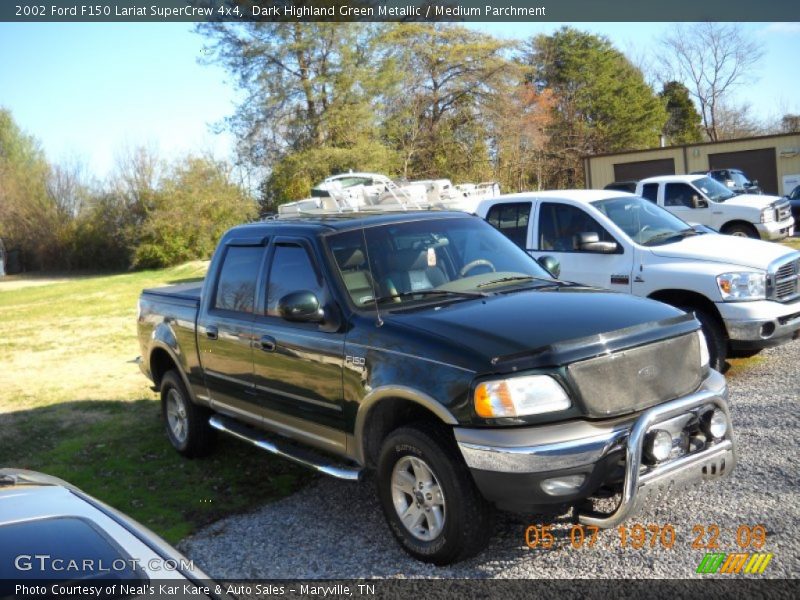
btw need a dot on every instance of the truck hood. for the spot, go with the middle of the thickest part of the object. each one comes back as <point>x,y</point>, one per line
<point>751,201</point>
<point>712,247</point>
<point>539,327</point>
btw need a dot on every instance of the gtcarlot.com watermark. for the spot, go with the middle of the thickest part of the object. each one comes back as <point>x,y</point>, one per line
<point>45,563</point>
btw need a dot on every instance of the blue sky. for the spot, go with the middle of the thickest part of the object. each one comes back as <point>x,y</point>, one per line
<point>89,90</point>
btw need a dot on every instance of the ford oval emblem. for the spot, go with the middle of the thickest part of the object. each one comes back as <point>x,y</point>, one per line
<point>648,373</point>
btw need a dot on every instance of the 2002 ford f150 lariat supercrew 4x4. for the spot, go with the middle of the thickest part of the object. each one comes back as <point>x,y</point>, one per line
<point>430,348</point>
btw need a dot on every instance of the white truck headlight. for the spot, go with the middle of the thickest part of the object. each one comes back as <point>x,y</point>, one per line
<point>768,214</point>
<point>520,396</point>
<point>742,286</point>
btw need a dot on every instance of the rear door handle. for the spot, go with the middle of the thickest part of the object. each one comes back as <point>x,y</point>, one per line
<point>267,343</point>
<point>212,332</point>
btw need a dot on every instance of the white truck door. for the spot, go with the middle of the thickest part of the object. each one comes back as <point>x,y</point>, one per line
<point>558,226</point>
<point>678,200</point>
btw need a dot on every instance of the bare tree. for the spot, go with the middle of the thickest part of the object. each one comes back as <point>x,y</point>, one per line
<point>68,188</point>
<point>712,59</point>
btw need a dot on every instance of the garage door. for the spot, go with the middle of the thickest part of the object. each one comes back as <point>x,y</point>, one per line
<point>643,168</point>
<point>757,164</point>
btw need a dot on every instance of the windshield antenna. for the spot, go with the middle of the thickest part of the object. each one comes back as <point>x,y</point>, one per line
<point>379,322</point>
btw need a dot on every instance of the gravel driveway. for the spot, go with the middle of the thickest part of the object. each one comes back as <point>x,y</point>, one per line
<point>334,529</point>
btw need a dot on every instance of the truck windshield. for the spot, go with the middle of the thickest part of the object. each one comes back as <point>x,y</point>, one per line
<point>713,189</point>
<point>430,260</point>
<point>643,221</point>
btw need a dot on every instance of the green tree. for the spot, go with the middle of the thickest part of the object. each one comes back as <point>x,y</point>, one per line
<point>195,205</point>
<point>683,124</point>
<point>433,117</point>
<point>29,220</point>
<point>309,87</point>
<point>603,103</point>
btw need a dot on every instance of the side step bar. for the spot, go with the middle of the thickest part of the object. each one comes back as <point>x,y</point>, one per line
<point>289,451</point>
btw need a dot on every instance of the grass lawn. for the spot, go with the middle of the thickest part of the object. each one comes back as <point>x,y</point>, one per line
<point>74,404</point>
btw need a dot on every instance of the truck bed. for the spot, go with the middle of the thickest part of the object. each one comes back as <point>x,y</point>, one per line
<point>182,293</point>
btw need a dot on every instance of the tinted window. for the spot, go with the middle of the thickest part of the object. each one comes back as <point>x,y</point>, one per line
<point>560,224</point>
<point>679,194</point>
<point>650,192</point>
<point>236,288</point>
<point>291,271</point>
<point>67,542</point>
<point>512,220</point>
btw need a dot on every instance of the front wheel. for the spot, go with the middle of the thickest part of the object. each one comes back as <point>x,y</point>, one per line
<point>428,496</point>
<point>186,423</point>
<point>742,230</point>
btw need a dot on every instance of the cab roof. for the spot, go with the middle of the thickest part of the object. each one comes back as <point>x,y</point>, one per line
<point>323,223</point>
<point>674,178</point>
<point>583,196</point>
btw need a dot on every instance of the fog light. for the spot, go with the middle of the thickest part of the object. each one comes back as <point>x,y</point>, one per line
<point>658,445</point>
<point>561,486</point>
<point>715,423</point>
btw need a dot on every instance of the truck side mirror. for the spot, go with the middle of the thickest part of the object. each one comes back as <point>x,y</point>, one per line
<point>550,264</point>
<point>302,307</point>
<point>698,202</point>
<point>590,242</point>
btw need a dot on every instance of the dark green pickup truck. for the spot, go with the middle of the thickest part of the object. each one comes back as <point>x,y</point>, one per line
<point>429,348</point>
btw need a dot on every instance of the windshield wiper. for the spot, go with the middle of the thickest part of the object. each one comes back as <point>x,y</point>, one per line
<point>513,278</point>
<point>430,293</point>
<point>668,235</point>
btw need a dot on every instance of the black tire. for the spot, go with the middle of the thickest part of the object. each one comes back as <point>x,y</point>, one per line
<point>742,230</point>
<point>465,516</point>
<point>716,338</point>
<point>196,436</point>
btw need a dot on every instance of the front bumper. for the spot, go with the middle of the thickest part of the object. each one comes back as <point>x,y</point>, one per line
<point>776,230</point>
<point>510,467</point>
<point>760,324</point>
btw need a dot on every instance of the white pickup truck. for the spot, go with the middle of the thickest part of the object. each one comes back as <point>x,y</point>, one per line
<point>745,293</point>
<point>703,200</point>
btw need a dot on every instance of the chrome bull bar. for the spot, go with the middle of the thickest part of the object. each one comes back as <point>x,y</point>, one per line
<point>638,488</point>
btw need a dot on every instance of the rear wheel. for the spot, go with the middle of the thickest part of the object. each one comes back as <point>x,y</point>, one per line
<point>742,230</point>
<point>185,422</point>
<point>716,339</point>
<point>428,496</point>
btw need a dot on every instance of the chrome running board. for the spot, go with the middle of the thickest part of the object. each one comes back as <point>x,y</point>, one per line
<point>301,456</point>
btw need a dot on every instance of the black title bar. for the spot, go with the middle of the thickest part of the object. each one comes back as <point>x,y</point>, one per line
<point>396,10</point>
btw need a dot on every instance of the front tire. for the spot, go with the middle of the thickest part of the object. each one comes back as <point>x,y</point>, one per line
<point>742,230</point>
<point>428,497</point>
<point>185,422</point>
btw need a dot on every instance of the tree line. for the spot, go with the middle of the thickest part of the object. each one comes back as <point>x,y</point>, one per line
<point>148,214</point>
<point>412,100</point>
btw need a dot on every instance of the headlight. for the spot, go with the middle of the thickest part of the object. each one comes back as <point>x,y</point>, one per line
<point>742,286</point>
<point>768,214</point>
<point>520,396</point>
<point>704,358</point>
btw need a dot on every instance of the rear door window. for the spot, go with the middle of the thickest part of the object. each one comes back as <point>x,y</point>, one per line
<point>512,220</point>
<point>650,192</point>
<point>236,286</point>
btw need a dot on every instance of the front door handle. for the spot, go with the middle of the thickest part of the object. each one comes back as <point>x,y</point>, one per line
<point>267,343</point>
<point>212,332</point>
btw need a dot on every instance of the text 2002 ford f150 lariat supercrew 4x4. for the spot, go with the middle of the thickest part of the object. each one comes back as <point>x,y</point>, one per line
<point>428,347</point>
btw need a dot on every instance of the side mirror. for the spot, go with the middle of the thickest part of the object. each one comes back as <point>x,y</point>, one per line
<point>302,307</point>
<point>550,264</point>
<point>698,202</point>
<point>590,242</point>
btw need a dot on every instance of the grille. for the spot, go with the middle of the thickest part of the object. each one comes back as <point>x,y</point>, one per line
<point>638,378</point>
<point>785,281</point>
<point>783,210</point>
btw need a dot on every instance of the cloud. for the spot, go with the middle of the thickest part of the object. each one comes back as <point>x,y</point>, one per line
<point>787,28</point>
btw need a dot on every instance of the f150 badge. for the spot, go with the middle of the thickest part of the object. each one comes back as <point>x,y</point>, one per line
<point>357,362</point>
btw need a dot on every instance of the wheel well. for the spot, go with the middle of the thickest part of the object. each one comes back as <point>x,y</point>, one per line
<point>685,298</point>
<point>385,417</point>
<point>160,363</point>
<point>730,224</point>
